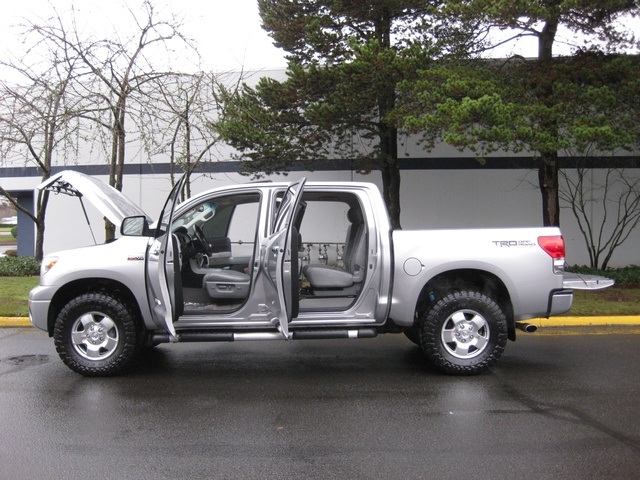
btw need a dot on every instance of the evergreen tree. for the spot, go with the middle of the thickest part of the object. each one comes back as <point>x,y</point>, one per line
<point>540,89</point>
<point>347,59</point>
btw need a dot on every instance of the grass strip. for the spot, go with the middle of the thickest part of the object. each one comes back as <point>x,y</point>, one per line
<point>14,294</point>
<point>607,302</point>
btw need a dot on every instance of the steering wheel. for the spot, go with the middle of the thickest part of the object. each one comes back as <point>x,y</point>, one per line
<point>200,242</point>
<point>187,248</point>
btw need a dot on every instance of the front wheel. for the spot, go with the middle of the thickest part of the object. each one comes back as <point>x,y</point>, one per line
<point>413,334</point>
<point>95,334</point>
<point>464,333</point>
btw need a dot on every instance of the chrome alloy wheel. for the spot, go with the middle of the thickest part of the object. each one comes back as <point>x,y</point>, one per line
<point>94,336</point>
<point>465,334</point>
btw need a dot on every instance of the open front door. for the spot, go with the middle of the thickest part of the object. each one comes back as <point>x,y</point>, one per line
<point>164,284</point>
<point>282,259</point>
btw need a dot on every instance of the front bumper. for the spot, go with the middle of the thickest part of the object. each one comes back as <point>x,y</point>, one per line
<point>39,303</point>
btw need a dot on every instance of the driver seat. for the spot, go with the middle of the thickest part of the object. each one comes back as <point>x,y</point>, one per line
<point>223,283</point>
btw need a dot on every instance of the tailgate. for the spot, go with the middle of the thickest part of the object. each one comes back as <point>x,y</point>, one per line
<point>576,281</point>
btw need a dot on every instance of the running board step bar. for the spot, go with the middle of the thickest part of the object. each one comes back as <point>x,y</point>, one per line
<point>327,334</point>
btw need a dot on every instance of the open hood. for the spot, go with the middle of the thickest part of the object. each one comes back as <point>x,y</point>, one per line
<point>110,202</point>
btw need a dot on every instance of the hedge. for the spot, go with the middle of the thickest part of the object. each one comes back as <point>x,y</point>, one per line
<point>19,266</point>
<point>626,277</point>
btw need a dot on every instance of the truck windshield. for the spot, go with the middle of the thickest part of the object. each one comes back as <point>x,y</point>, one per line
<point>198,215</point>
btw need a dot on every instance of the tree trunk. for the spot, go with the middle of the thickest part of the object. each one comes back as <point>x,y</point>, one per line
<point>548,181</point>
<point>39,250</point>
<point>388,133</point>
<point>391,193</point>
<point>118,151</point>
<point>548,169</point>
<point>390,173</point>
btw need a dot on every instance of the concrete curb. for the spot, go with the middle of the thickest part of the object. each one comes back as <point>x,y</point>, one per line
<point>630,320</point>
<point>14,322</point>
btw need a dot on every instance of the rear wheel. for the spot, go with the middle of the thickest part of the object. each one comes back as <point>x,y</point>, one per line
<point>464,333</point>
<point>95,334</point>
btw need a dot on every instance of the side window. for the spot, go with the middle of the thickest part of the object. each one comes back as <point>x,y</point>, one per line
<point>229,223</point>
<point>326,227</point>
<point>243,227</point>
<point>218,225</point>
<point>325,222</point>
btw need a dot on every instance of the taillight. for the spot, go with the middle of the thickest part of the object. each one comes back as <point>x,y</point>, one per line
<point>554,246</point>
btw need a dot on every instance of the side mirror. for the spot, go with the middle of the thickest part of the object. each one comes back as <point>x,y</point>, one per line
<point>135,226</point>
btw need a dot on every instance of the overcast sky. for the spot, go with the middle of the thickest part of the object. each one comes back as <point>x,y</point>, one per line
<point>227,32</point>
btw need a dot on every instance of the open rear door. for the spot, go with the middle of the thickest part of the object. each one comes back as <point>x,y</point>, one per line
<point>281,259</point>
<point>164,284</point>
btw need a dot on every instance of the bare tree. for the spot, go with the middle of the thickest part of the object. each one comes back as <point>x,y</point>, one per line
<point>116,71</point>
<point>607,210</point>
<point>38,120</point>
<point>181,118</point>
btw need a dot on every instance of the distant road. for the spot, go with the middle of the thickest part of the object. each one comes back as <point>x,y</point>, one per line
<point>4,248</point>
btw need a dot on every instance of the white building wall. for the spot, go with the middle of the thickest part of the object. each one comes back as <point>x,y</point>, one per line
<point>472,197</point>
<point>430,199</point>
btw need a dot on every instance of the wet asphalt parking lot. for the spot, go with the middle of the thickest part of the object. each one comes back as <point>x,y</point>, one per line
<point>564,406</point>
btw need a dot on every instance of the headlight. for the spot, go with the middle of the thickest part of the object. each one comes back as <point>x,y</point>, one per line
<point>47,264</point>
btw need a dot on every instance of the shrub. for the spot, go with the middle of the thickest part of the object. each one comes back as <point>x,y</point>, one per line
<point>626,277</point>
<point>11,253</point>
<point>14,232</point>
<point>19,266</point>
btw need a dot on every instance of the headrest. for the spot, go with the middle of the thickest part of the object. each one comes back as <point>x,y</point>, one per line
<point>354,215</point>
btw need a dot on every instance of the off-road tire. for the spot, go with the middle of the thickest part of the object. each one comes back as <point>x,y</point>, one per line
<point>464,333</point>
<point>95,334</point>
<point>413,334</point>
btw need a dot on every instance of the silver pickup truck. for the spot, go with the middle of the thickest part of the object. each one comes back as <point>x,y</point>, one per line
<point>268,261</point>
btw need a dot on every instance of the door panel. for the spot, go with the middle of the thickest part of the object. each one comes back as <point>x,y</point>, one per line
<point>283,297</point>
<point>164,283</point>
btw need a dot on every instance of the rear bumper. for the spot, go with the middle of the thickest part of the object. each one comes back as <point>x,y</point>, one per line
<point>560,301</point>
